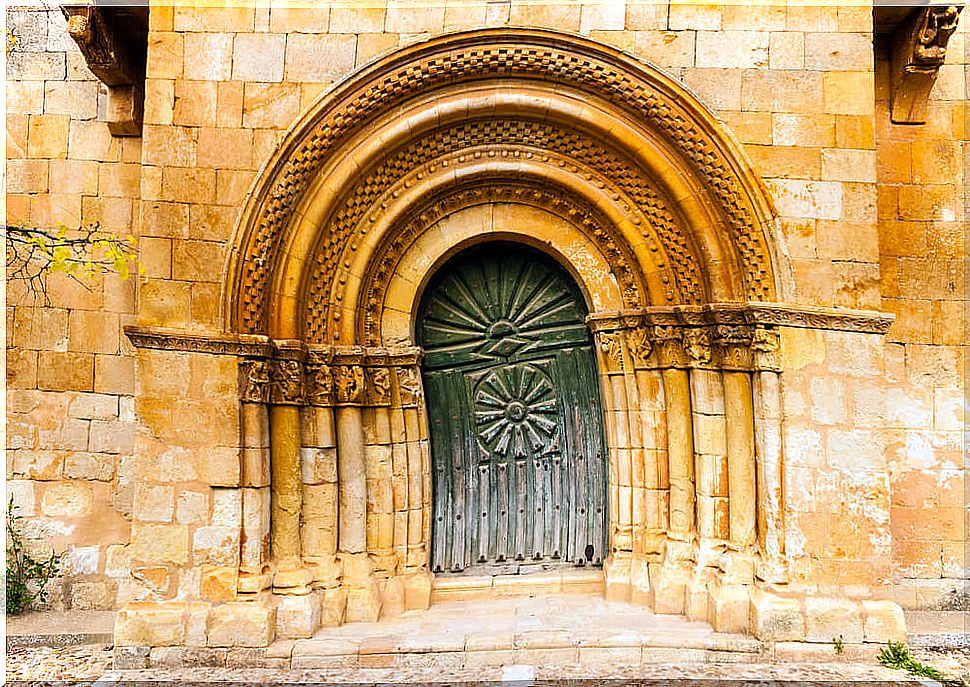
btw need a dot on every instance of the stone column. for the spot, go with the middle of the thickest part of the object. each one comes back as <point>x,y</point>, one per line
<point>320,493</point>
<point>613,367</point>
<point>254,379</point>
<point>286,397</point>
<point>734,353</point>
<point>363,597</point>
<point>669,578</point>
<point>710,449</point>
<point>770,459</point>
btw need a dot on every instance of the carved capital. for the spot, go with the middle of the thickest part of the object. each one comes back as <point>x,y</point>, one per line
<point>697,346</point>
<point>918,52</point>
<point>286,382</point>
<point>377,390</point>
<point>349,384</point>
<point>668,341</point>
<point>319,384</point>
<point>254,380</point>
<point>409,385</point>
<point>639,344</point>
<point>733,345</point>
<point>766,349</point>
<point>611,345</point>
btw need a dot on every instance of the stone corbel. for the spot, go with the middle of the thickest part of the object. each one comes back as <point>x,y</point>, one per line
<point>918,52</point>
<point>117,58</point>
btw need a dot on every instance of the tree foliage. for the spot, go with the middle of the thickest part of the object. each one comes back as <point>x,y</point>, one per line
<point>34,253</point>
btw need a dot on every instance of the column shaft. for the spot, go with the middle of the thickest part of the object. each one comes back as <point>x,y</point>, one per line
<point>742,504</point>
<point>680,451</point>
<point>352,479</point>
<point>287,487</point>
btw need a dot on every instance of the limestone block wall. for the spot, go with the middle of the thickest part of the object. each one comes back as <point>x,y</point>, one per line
<point>70,371</point>
<point>871,215</point>
<point>922,252</point>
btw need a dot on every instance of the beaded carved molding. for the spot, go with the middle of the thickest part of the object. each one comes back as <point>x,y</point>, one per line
<point>577,64</point>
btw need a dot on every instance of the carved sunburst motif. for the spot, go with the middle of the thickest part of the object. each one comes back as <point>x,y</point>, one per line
<point>516,412</point>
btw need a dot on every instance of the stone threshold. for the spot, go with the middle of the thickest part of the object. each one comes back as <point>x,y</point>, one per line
<point>588,581</point>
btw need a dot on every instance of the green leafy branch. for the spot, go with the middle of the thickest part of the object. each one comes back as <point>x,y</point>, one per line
<point>27,577</point>
<point>34,253</point>
<point>896,655</point>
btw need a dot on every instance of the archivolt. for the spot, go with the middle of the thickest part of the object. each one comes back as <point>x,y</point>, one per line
<point>566,95</point>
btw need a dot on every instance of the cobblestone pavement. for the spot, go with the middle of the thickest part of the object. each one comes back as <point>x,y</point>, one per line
<point>87,663</point>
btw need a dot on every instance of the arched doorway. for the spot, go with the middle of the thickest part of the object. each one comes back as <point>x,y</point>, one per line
<point>515,416</point>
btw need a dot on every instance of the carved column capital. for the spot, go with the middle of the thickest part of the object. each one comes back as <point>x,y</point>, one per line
<point>640,346</point>
<point>349,384</point>
<point>377,386</point>
<point>766,349</point>
<point>286,382</point>
<point>319,383</point>
<point>669,343</point>
<point>610,343</point>
<point>733,346</point>
<point>254,380</point>
<point>409,385</point>
<point>697,346</point>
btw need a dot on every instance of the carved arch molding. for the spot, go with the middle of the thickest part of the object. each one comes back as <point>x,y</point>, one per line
<point>646,171</point>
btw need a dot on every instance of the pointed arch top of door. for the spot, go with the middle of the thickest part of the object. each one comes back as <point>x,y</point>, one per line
<point>666,154</point>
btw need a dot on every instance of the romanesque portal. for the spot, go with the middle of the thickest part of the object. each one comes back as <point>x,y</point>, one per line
<point>504,298</point>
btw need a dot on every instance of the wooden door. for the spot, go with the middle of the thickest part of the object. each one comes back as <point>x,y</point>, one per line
<point>518,455</point>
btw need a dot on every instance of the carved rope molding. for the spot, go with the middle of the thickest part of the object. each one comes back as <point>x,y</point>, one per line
<point>918,52</point>
<point>583,65</point>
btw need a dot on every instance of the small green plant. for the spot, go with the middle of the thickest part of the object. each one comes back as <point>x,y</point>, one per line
<point>27,576</point>
<point>896,655</point>
<point>839,644</point>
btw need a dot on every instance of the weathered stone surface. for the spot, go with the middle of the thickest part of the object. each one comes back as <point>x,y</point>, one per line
<point>298,616</point>
<point>883,620</point>
<point>246,624</point>
<point>776,617</point>
<point>150,624</point>
<point>827,618</point>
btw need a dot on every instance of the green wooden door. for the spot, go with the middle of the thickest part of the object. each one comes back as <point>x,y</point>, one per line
<point>518,456</point>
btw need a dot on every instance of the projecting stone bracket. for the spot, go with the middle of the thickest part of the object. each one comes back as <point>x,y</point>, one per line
<point>116,55</point>
<point>918,51</point>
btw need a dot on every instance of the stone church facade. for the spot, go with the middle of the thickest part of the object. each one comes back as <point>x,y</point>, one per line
<point>460,299</point>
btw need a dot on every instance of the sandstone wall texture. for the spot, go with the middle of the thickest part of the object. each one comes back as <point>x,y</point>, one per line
<point>871,214</point>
